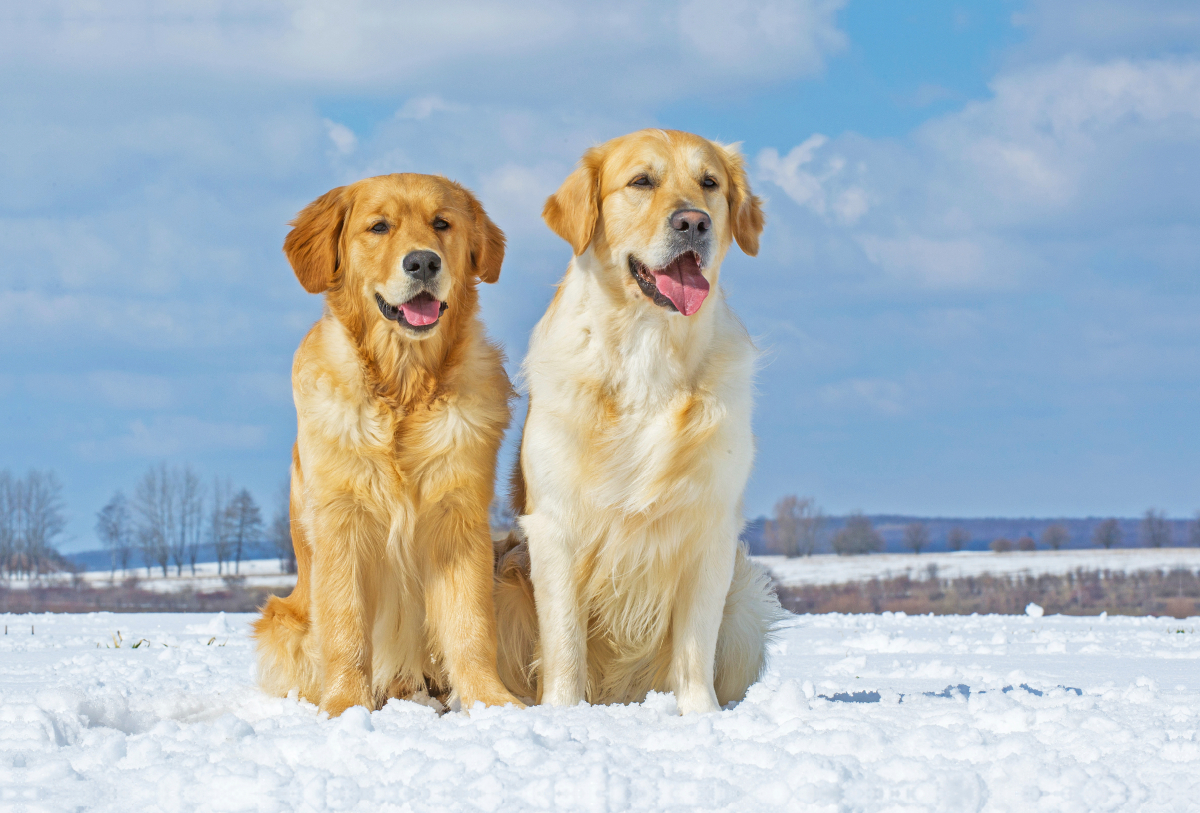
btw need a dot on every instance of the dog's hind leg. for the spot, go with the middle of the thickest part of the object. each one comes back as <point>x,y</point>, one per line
<point>751,612</point>
<point>516,618</point>
<point>282,629</point>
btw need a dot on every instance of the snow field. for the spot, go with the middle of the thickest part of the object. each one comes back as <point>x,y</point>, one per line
<point>992,713</point>
<point>831,569</point>
<point>253,573</point>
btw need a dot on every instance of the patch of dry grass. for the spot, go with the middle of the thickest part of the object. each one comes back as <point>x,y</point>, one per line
<point>1084,592</point>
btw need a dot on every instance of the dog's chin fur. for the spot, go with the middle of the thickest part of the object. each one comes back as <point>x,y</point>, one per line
<point>634,456</point>
<point>393,465</point>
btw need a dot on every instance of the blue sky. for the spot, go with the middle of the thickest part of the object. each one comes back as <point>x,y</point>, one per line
<point>977,292</point>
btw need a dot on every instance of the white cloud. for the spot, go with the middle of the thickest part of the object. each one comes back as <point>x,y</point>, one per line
<point>969,201</point>
<point>80,321</point>
<point>537,49</point>
<point>929,263</point>
<point>814,190</point>
<point>172,436</point>
<point>876,395</point>
<point>420,108</point>
<point>113,388</point>
<point>515,194</point>
<point>343,138</point>
<point>1103,29</point>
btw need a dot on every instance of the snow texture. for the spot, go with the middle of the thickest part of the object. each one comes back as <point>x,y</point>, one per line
<point>830,569</point>
<point>857,712</point>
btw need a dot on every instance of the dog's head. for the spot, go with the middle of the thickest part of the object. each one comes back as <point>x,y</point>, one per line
<point>658,209</point>
<point>402,249</point>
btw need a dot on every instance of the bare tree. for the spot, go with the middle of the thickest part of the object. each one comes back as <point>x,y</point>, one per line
<point>793,531</point>
<point>8,522</point>
<point>857,536</point>
<point>1001,545</point>
<point>154,505</point>
<point>916,536</point>
<point>957,539</point>
<point>1056,536</point>
<point>1107,534</point>
<point>280,532</point>
<point>43,519</point>
<point>220,534</point>
<point>1156,533</point>
<point>245,524</point>
<point>189,509</point>
<point>114,526</point>
<point>1194,532</point>
<point>1026,544</point>
<point>32,516</point>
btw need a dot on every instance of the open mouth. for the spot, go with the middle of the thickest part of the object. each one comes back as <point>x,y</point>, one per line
<point>419,313</point>
<point>678,285</point>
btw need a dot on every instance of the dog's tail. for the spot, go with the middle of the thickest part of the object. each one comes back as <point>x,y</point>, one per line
<point>516,618</point>
<point>752,611</point>
<point>283,664</point>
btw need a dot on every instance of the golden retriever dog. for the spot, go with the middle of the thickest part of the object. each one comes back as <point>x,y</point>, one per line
<point>637,444</point>
<point>401,403</point>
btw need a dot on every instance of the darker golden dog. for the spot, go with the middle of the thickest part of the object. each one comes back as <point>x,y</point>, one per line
<point>401,403</point>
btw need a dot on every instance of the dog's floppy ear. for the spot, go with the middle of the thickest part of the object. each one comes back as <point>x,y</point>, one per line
<point>312,244</point>
<point>487,244</point>
<point>745,209</point>
<point>572,211</point>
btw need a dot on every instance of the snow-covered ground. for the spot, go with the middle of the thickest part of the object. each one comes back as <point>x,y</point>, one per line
<point>952,713</point>
<point>830,569</point>
<point>253,572</point>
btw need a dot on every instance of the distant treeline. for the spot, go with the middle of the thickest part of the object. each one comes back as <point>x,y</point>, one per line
<point>173,516</point>
<point>173,519</point>
<point>798,527</point>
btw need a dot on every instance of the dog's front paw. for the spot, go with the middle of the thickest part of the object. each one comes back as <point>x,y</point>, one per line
<point>696,701</point>
<point>347,692</point>
<point>490,697</point>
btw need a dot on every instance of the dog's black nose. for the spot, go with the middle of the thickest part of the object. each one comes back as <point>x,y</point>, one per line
<point>692,221</point>
<point>422,265</point>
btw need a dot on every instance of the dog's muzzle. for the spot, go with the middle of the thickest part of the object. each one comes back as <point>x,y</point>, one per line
<point>420,313</point>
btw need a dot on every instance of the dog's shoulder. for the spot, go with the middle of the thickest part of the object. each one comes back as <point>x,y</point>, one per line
<point>333,397</point>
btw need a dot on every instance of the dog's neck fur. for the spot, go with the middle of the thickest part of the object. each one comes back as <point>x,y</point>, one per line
<point>650,346</point>
<point>402,371</point>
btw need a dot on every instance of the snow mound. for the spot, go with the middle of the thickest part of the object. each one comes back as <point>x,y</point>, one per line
<point>218,625</point>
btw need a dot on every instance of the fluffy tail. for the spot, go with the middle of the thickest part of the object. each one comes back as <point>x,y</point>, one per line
<point>751,612</point>
<point>516,618</point>
<point>283,664</point>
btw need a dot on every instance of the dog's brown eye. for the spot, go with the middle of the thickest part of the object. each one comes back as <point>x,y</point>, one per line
<point>709,182</point>
<point>440,225</point>
<point>381,227</point>
<point>641,180</point>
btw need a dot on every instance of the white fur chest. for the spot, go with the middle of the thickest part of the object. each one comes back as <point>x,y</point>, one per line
<point>638,413</point>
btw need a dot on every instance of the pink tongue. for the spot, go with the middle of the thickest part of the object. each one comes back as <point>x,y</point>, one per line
<point>421,310</point>
<point>683,284</point>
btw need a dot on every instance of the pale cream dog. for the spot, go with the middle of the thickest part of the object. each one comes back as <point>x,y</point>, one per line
<point>637,445</point>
